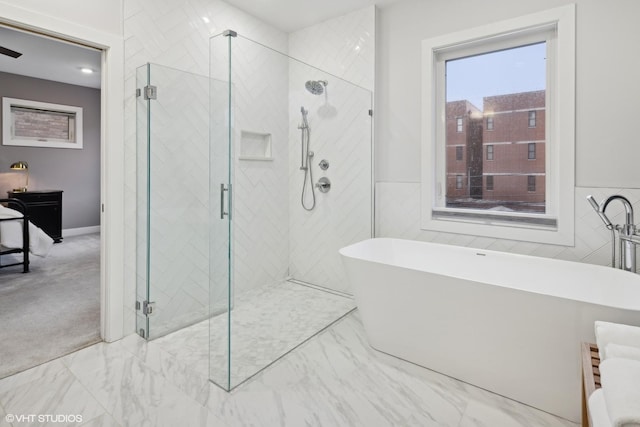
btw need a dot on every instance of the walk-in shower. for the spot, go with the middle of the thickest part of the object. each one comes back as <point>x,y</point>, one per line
<point>233,272</point>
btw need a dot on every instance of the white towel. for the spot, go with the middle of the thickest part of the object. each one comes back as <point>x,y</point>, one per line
<point>11,234</point>
<point>598,410</point>
<point>623,351</point>
<point>616,333</point>
<point>620,380</point>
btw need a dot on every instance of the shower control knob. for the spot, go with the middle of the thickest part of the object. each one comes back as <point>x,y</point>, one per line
<point>323,184</point>
<point>324,165</point>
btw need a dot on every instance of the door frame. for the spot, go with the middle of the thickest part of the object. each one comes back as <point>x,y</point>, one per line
<point>111,153</point>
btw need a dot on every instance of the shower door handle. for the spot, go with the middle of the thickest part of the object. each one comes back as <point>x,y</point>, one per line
<point>222,191</point>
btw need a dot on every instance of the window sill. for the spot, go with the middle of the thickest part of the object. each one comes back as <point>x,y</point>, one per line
<point>521,227</point>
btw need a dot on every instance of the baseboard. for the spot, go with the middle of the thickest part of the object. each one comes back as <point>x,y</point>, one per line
<point>80,231</point>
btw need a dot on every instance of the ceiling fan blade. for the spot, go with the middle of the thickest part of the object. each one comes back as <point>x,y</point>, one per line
<point>9,52</point>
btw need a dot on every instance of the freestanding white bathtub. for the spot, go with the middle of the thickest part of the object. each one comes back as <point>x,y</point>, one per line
<point>511,324</point>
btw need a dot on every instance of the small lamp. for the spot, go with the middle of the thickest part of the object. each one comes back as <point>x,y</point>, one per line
<point>21,166</point>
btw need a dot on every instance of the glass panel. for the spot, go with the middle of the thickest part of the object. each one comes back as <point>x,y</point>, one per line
<point>286,275</point>
<point>173,177</point>
<point>221,136</point>
<point>497,100</point>
<point>142,208</point>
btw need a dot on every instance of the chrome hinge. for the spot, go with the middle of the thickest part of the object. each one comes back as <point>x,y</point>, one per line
<point>148,308</point>
<point>371,113</point>
<point>230,33</point>
<point>150,92</point>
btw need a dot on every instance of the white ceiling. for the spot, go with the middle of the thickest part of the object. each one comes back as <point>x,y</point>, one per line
<point>49,59</point>
<point>60,61</point>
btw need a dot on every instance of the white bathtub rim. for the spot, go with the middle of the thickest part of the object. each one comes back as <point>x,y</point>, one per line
<point>625,302</point>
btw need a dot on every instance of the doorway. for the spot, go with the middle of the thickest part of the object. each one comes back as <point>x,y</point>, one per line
<point>54,309</point>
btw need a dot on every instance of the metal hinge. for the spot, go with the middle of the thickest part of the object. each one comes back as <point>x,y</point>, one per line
<point>148,308</point>
<point>230,33</point>
<point>150,92</point>
<point>371,113</point>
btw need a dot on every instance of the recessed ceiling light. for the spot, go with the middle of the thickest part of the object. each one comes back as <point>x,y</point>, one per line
<point>86,70</point>
<point>205,19</point>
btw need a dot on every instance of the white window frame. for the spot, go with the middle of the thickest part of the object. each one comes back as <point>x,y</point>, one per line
<point>8,129</point>
<point>556,226</point>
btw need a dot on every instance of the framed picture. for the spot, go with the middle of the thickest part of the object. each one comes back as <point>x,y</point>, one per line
<point>41,124</point>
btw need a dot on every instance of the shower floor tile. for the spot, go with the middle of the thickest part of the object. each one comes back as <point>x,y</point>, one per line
<point>265,324</point>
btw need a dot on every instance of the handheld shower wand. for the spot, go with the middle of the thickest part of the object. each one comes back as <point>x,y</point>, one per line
<point>306,154</point>
<point>600,212</point>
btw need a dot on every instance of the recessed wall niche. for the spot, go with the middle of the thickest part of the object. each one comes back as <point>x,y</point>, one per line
<point>255,146</point>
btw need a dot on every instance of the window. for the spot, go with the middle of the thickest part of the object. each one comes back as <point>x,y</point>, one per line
<point>489,183</point>
<point>457,70</point>
<point>490,123</point>
<point>489,152</point>
<point>41,124</point>
<point>458,153</point>
<point>458,182</point>
<point>459,124</point>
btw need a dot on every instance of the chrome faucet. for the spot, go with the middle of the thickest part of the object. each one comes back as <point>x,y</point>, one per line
<point>627,238</point>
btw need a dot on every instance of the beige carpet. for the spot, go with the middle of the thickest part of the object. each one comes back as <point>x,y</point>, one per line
<point>54,309</point>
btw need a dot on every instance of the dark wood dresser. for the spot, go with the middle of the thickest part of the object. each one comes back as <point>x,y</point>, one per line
<point>44,209</point>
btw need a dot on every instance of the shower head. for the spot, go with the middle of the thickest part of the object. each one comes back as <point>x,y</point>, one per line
<point>316,87</point>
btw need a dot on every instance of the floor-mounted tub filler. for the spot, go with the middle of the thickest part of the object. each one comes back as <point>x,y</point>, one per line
<point>508,323</point>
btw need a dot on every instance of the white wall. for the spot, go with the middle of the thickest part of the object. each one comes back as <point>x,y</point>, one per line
<point>607,83</point>
<point>606,87</point>
<point>102,15</point>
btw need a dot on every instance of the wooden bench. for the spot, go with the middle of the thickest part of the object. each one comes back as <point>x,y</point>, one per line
<point>590,378</point>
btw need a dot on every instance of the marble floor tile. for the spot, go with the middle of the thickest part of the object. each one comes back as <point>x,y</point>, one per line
<point>334,379</point>
<point>503,412</point>
<point>60,394</point>
<point>36,373</point>
<point>104,420</point>
<point>266,323</point>
<point>3,418</point>
<point>136,395</point>
<point>193,381</point>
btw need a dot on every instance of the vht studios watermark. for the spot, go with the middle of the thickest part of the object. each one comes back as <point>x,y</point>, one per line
<point>43,418</point>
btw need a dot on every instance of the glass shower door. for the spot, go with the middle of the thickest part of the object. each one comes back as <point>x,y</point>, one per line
<point>176,205</point>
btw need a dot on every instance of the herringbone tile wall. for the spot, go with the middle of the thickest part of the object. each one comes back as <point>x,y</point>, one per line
<point>343,48</point>
<point>398,215</point>
<point>175,33</point>
<point>340,132</point>
<point>261,218</point>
